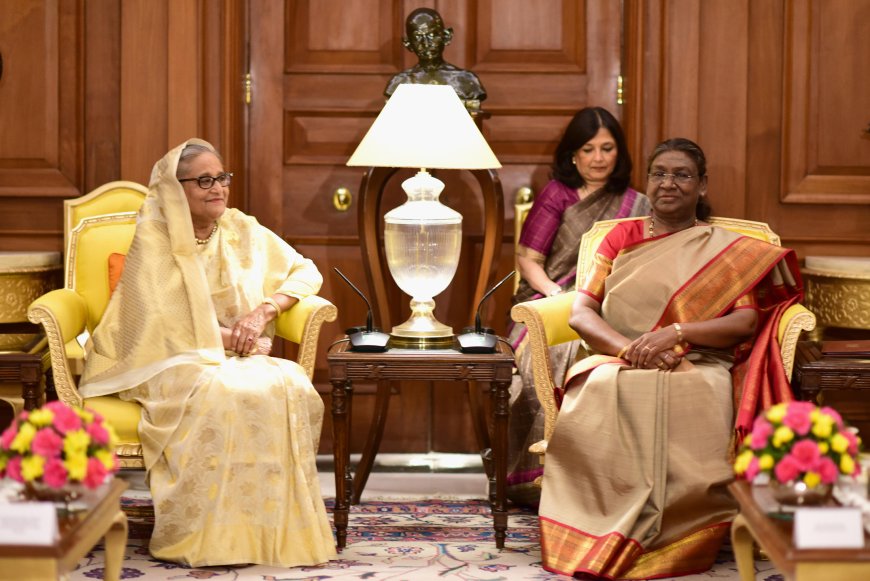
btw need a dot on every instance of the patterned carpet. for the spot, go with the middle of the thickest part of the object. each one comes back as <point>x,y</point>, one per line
<point>395,540</point>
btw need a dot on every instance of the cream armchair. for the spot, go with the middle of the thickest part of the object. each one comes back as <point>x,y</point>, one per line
<point>65,313</point>
<point>547,319</point>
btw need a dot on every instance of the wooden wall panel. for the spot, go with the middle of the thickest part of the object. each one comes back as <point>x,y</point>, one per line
<point>321,40</point>
<point>97,91</point>
<point>772,90</point>
<point>41,125</point>
<point>826,152</point>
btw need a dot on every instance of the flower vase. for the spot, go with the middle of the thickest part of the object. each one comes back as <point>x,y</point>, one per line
<point>40,492</point>
<point>797,493</point>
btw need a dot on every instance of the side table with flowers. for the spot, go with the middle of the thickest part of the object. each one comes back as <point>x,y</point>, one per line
<point>58,452</point>
<point>803,449</point>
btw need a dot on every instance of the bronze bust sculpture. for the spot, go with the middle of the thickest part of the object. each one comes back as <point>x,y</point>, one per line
<point>427,38</point>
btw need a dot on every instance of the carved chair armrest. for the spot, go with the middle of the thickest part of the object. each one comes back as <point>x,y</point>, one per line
<point>63,315</point>
<point>301,324</point>
<point>546,321</point>
<point>795,319</point>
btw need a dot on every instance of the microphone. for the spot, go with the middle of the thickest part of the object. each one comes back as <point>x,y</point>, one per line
<point>478,339</point>
<point>366,338</point>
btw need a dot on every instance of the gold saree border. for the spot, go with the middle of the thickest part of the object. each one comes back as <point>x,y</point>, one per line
<point>566,550</point>
<point>736,269</point>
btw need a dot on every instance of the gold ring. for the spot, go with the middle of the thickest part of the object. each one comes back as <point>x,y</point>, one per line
<point>662,365</point>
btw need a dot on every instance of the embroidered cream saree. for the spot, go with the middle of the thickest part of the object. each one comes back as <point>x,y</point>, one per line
<point>634,484</point>
<point>229,442</point>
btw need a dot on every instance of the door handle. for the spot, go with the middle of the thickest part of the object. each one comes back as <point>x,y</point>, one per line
<point>341,199</point>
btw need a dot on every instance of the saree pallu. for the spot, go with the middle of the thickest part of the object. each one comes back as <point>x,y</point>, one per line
<point>526,417</point>
<point>636,471</point>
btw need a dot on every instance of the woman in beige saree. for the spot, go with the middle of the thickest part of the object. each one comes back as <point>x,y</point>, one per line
<point>229,433</point>
<point>591,170</point>
<point>681,315</point>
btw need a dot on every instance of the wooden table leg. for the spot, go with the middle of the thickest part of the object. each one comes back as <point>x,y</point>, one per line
<point>741,543</point>
<point>481,429</point>
<point>376,432</point>
<point>342,392</point>
<point>501,397</point>
<point>116,543</point>
<point>31,383</point>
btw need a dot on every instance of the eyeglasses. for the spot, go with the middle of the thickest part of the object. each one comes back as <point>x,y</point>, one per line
<point>679,178</point>
<point>206,182</point>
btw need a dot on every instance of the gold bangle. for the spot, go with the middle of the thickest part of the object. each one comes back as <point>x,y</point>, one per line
<point>622,351</point>
<point>679,330</point>
<point>274,304</point>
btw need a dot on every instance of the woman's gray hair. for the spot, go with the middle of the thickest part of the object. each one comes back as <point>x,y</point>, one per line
<point>191,152</point>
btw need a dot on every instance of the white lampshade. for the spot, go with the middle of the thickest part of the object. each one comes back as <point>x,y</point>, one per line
<point>423,126</point>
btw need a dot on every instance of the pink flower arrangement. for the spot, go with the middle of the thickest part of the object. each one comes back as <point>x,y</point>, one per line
<point>57,445</point>
<point>798,441</point>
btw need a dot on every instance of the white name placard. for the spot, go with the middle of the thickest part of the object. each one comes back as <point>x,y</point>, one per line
<point>828,528</point>
<point>28,523</point>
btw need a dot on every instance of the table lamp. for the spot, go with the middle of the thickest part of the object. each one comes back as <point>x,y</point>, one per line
<point>423,127</point>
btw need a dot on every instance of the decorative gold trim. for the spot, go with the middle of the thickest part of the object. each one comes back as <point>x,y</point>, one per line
<point>527,314</point>
<point>69,271</point>
<point>322,313</point>
<point>64,384</point>
<point>798,318</point>
<point>72,205</point>
<point>522,207</point>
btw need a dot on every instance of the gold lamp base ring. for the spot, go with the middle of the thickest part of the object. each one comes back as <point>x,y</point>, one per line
<point>420,343</point>
<point>422,330</point>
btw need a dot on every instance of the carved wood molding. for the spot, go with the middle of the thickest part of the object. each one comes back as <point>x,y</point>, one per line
<point>812,171</point>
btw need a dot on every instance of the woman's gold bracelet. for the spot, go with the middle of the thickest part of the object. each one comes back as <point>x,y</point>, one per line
<point>274,304</point>
<point>679,330</point>
<point>622,351</point>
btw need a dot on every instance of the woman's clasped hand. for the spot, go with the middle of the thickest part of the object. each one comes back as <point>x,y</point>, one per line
<point>656,349</point>
<point>246,336</point>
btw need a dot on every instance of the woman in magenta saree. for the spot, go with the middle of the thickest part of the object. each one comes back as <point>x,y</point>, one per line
<point>682,316</point>
<point>591,171</point>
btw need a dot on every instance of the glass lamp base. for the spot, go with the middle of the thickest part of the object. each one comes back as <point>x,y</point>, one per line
<point>422,330</point>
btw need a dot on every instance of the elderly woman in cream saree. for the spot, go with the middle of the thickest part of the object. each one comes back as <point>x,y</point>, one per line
<point>683,317</point>
<point>229,434</point>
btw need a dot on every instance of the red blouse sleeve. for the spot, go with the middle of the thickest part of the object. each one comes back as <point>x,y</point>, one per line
<point>621,236</point>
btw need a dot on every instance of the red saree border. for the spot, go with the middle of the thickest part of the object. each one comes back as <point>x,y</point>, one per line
<point>614,556</point>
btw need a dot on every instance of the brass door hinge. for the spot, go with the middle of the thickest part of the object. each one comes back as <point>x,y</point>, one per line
<point>620,90</point>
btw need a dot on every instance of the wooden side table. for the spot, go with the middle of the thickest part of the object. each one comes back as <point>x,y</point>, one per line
<point>24,375</point>
<point>345,367</point>
<point>840,382</point>
<point>78,535</point>
<point>775,537</point>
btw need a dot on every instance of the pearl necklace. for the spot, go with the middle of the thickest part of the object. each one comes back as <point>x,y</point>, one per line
<point>210,236</point>
<point>652,226</point>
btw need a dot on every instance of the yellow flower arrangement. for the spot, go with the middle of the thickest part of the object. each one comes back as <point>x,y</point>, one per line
<point>57,445</point>
<point>799,442</point>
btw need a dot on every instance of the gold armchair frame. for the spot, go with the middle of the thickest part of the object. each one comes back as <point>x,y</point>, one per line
<point>65,313</point>
<point>546,319</point>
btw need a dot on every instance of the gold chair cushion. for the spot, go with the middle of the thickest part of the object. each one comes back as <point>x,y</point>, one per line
<point>122,415</point>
